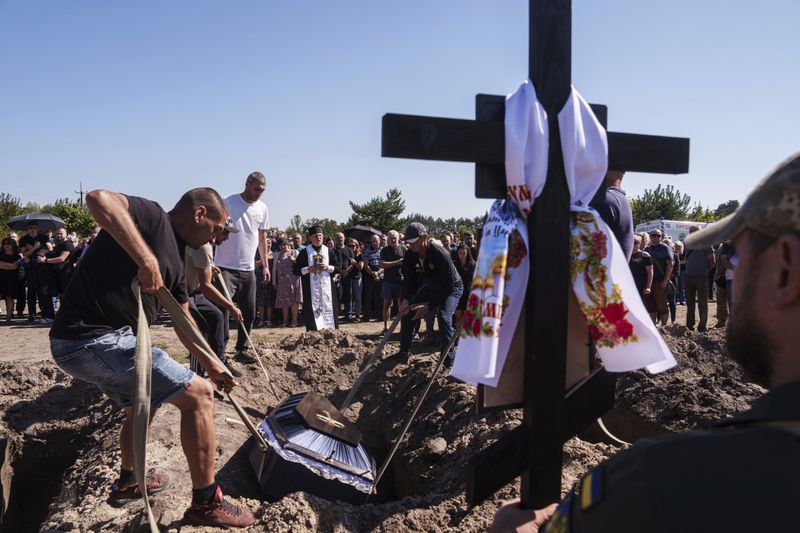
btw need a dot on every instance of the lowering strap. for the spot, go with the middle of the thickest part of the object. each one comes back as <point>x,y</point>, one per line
<point>142,367</point>
<point>227,295</point>
<point>142,374</point>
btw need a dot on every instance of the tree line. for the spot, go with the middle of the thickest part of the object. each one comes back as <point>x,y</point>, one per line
<point>669,203</point>
<point>74,213</point>
<point>387,212</point>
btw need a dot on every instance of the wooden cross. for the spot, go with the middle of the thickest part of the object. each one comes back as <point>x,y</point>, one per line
<point>534,449</point>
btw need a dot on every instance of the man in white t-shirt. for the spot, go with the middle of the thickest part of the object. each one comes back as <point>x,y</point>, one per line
<point>236,256</point>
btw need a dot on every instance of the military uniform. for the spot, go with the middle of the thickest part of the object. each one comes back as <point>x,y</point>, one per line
<point>738,475</point>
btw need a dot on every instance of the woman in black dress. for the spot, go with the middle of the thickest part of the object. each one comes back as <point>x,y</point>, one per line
<point>9,279</point>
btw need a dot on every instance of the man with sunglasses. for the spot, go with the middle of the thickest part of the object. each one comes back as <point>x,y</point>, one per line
<point>663,264</point>
<point>236,256</point>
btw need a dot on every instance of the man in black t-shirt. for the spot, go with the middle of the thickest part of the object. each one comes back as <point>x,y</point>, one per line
<point>663,263</point>
<point>391,259</point>
<point>92,337</point>
<point>442,288</point>
<point>58,260</point>
<point>32,245</point>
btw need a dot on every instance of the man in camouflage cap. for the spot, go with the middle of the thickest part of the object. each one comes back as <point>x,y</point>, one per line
<point>740,474</point>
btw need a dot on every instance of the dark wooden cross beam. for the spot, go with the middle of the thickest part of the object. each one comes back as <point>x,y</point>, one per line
<point>535,448</point>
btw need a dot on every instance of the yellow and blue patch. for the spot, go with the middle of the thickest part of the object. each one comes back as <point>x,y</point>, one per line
<point>591,488</point>
<point>561,521</point>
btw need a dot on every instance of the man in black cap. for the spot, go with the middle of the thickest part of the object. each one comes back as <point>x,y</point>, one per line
<point>316,265</point>
<point>740,474</point>
<point>442,288</point>
<point>663,263</point>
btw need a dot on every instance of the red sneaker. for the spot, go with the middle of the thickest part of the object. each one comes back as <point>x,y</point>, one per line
<point>219,513</point>
<point>157,480</point>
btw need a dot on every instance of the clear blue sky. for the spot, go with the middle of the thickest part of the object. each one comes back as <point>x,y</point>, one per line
<point>152,97</point>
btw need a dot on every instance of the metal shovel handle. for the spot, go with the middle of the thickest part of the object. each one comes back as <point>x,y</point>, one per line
<point>363,375</point>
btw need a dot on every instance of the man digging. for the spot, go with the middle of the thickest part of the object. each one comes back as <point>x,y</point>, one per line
<point>92,336</point>
<point>442,288</point>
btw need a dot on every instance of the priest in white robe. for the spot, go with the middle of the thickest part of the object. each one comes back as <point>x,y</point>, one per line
<point>316,265</point>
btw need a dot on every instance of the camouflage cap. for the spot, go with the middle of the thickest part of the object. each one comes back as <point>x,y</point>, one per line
<point>772,208</point>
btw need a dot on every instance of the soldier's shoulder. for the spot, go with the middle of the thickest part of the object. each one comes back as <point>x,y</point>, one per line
<point>698,481</point>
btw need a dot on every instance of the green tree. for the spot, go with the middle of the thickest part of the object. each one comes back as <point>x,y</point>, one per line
<point>702,214</point>
<point>76,217</point>
<point>32,207</point>
<point>382,213</point>
<point>295,226</point>
<point>437,226</point>
<point>662,202</point>
<point>726,209</point>
<point>10,206</point>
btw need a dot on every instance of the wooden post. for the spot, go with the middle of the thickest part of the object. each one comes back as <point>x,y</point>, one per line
<point>548,285</point>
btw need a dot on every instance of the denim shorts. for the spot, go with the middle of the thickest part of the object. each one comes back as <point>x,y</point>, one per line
<point>107,361</point>
<point>390,290</point>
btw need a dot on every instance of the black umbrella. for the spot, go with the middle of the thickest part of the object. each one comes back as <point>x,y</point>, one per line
<point>362,233</point>
<point>46,221</point>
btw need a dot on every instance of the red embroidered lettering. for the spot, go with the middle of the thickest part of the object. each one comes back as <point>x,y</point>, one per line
<point>511,192</point>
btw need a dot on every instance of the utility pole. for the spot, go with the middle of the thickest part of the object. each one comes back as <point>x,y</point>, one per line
<point>80,202</point>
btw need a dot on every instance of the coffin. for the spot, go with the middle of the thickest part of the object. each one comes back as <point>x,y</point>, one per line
<point>313,448</point>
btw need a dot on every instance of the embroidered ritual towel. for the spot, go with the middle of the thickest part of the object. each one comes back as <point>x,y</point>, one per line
<point>618,322</point>
<point>500,283</point>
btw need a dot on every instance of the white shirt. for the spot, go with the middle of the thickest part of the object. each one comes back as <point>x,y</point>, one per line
<point>729,274</point>
<point>239,251</point>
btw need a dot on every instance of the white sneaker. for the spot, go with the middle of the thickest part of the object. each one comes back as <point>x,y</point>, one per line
<point>45,321</point>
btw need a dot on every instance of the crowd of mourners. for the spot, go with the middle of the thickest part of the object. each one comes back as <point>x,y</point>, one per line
<point>35,270</point>
<point>667,276</point>
<point>368,279</point>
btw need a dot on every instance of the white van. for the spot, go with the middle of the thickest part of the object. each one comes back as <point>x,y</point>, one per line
<point>677,229</point>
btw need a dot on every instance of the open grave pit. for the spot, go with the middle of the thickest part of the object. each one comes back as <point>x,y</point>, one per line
<point>63,434</point>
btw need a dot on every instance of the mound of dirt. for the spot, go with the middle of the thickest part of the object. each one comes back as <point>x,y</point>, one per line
<point>425,485</point>
<point>704,387</point>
